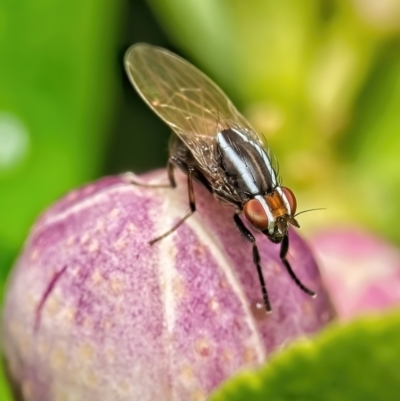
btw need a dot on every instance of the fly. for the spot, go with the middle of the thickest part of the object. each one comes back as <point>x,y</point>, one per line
<point>216,146</point>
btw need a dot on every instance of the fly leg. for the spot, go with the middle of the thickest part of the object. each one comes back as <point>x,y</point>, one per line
<point>248,236</point>
<point>192,205</point>
<point>282,255</point>
<point>171,178</point>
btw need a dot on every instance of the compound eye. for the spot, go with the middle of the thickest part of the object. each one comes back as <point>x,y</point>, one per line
<point>291,199</point>
<point>255,214</point>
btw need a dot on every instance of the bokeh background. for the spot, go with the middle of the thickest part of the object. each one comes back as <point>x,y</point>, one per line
<point>319,78</point>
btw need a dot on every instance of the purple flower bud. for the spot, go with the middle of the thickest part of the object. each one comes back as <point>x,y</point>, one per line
<point>93,312</point>
<point>362,272</point>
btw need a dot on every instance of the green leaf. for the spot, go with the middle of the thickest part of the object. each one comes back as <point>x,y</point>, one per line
<point>56,102</point>
<point>359,361</point>
<point>5,392</point>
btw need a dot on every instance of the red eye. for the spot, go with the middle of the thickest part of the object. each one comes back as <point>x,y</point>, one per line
<point>255,214</point>
<point>291,199</point>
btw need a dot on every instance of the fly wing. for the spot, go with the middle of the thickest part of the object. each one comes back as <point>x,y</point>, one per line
<point>185,98</point>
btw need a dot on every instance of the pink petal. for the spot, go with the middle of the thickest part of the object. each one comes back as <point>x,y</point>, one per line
<point>361,271</point>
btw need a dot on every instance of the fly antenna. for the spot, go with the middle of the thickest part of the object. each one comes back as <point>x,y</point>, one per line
<point>309,210</point>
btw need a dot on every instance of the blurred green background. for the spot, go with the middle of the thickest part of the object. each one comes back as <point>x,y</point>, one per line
<point>319,78</point>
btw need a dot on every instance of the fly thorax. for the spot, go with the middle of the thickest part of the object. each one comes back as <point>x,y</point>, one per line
<point>245,164</point>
